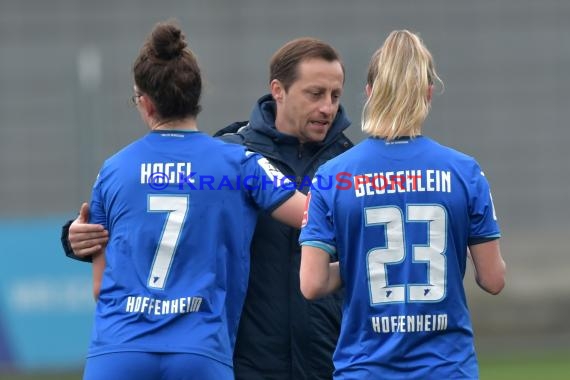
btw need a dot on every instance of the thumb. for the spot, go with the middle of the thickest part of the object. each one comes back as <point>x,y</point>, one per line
<point>84,213</point>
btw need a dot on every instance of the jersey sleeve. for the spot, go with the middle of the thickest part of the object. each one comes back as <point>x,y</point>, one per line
<point>483,225</point>
<point>318,229</point>
<point>265,184</point>
<point>97,213</point>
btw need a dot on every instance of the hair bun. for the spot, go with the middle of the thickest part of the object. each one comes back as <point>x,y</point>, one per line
<point>168,41</point>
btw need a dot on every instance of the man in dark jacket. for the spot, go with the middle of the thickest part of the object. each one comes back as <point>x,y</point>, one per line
<point>298,127</point>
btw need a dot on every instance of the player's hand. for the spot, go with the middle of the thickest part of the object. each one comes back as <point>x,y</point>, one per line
<point>86,239</point>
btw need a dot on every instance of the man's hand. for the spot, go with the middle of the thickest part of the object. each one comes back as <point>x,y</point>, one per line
<point>86,239</point>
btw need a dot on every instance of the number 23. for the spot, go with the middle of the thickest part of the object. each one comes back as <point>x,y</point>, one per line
<point>433,254</point>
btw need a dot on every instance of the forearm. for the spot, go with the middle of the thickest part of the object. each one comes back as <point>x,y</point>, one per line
<point>318,275</point>
<point>291,211</point>
<point>490,268</point>
<point>334,283</point>
<point>98,269</point>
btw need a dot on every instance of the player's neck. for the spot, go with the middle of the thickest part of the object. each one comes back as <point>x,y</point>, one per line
<point>188,124</point>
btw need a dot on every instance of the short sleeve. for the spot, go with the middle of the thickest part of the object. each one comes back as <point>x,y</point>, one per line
<point>97,213</point>
<point>483,218</point>
<point>318,227</point>
<point>264,183</point>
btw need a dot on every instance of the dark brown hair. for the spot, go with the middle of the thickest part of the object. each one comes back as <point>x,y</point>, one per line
<point>373,67</point>
<point>167,71</point>
<point>284,62</point>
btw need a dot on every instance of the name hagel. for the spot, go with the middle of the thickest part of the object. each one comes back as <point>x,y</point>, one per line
<point>409,323</point>
<point>166,172</point>
<point>147,305</point>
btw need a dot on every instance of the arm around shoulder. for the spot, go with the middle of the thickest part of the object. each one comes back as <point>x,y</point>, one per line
<point>66,245</point>
<point>80,239</point>
<point>490,268</point>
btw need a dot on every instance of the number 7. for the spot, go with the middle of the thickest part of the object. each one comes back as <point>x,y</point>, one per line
<point>177,208</point>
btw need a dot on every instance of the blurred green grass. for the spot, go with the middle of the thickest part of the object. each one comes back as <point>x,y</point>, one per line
<point>543,365</point>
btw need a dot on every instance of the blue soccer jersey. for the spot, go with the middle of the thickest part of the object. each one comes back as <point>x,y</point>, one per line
<point>181,208</point>
<point>400,216</point>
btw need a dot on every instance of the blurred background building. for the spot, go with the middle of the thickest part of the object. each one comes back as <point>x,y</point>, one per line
<point>65,82</point>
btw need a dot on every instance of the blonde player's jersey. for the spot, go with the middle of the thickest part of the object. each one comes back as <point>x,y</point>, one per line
<point>400,216</point>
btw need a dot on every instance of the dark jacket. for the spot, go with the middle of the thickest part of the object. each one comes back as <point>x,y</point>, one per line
<point>281,335</point>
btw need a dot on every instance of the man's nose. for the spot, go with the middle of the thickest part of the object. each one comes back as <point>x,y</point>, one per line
<point>327,106</point>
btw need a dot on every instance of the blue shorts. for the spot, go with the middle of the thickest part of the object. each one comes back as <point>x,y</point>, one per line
<point>155,366</point>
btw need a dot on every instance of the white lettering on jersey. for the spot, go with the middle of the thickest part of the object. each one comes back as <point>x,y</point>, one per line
<point>403,181</point>
<point>409,323</point>
<point>166,172</point>
<point>146,305</point>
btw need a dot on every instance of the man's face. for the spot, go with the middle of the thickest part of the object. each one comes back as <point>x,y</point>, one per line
<point>307,109</point>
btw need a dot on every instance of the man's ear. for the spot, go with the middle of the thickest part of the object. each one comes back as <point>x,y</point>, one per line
<point>277,90</point>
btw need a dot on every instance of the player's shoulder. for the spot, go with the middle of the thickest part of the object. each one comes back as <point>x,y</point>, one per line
<point>450,154</point>
<point>340,160</point>
<point>231,150</point>
<point>122,154</point>
<point>228,152</point>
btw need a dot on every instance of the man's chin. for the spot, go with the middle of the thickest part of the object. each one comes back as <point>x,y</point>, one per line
<point>316,135</point>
